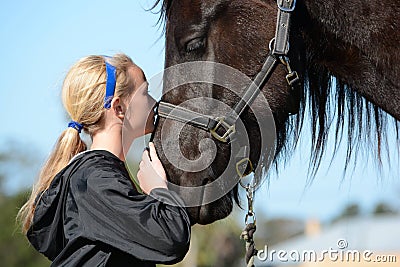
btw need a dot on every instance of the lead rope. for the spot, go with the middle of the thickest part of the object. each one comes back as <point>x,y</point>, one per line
<point>248,232</point>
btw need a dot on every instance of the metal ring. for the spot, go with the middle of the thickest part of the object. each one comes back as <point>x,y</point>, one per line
<point>271,48</point>
<point>270,43</point>
<point>252,187</point>
<point>244,174</point>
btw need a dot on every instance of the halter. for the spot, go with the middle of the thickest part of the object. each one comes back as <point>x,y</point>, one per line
<point>223,127</point>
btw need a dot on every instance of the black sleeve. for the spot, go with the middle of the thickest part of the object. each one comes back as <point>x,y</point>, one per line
<point>112,212</point>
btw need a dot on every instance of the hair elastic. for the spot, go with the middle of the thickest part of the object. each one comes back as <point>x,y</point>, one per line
<point>76,125</point>
<point>110,84</point>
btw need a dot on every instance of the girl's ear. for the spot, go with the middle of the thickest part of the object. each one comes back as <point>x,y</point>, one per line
<point>118,108</point>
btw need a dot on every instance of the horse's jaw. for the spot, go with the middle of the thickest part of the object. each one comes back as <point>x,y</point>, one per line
<point>211,212</point>
<point>206,198</point>
<point>204,205</point>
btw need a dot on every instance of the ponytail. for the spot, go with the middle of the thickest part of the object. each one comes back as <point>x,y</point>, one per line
<point>83,93</point>
<point>67,146</point>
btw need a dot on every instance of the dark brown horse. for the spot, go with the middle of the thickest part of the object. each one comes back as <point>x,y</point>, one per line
<point>345,50</point>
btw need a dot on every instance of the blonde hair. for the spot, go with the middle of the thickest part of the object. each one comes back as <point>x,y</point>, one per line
<point>83,93</point>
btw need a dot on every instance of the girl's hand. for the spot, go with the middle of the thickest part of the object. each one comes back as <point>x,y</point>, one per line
<point>151,172</point>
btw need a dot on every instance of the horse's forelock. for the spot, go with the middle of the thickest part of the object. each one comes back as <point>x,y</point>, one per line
<point>165,6</point>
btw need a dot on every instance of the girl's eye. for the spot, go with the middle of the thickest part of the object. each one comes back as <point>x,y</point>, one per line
<point>195,45</point>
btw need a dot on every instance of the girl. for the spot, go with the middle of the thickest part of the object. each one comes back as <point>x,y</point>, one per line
<point>84,210</point>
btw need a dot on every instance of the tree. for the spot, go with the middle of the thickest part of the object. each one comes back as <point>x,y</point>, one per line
<point>278,230</point>
<point>351,210</point>
<point>382,209</point>
<point>15,249</point>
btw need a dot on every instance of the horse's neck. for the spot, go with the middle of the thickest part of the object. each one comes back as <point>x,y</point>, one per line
<point>358,42</point>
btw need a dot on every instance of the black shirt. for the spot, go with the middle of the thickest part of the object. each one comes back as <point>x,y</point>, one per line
<point>92,215</point>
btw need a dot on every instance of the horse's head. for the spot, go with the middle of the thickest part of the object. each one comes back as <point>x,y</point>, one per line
<point>234,33</point>
<point>335,58</point>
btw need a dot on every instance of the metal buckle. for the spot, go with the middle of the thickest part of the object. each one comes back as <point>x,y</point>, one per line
<point>244,160</point>
<point>286,9</point>
<point>292,78</point>
<point>230,130</point>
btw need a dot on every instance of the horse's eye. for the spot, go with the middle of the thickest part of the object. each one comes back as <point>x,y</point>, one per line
<point>195,44</point>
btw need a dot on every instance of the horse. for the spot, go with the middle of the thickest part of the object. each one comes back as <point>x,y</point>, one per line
<point>345,53</point>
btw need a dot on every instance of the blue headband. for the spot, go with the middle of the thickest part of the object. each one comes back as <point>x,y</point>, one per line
<point>111,78</point>
<point>76,125</point>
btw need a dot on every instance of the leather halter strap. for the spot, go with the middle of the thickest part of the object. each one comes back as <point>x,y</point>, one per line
<point>279,47</point>
<point>181,114</point>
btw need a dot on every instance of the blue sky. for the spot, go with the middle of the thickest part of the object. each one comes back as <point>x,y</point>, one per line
<point>42,39</point>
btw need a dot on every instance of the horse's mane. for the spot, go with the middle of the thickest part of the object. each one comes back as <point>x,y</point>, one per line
<point>332,106</point>
<point>329,102</point>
